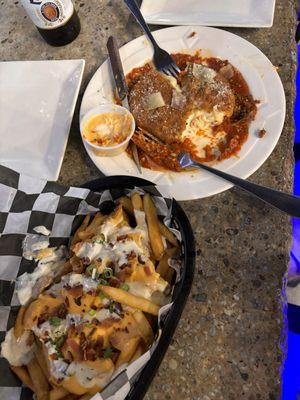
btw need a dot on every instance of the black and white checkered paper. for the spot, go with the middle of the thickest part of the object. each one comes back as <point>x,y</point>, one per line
<point>25,203</point>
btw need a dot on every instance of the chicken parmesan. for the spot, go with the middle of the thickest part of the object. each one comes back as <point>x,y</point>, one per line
<point>206,111</point>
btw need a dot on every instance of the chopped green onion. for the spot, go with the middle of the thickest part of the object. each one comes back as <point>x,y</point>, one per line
<point>90,269</point>
<point>102,295</point>
<point>60,341</point>
<point>125,287</point>
<point>100,239</point>
<point>92,312</point>
<point>89,325</point>
<point>108,273</point>
<point>55,321</point>
<point>107,352</point>
<point>111,307</point>
<point>103,282</point>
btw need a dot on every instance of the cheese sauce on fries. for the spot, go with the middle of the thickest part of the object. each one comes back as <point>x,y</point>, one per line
<point>88,314</point>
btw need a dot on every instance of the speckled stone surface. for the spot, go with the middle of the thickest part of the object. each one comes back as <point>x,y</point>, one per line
<point>227,345</point>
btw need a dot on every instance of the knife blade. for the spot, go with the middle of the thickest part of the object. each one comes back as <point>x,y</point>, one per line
<point>121,86</point>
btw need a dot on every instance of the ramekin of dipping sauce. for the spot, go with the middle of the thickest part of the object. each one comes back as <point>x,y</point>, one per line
<point>107,129</point>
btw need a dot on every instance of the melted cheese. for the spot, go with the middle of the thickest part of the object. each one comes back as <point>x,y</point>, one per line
<point>89,377</point>
<point>16,351</point>
<point>199,130</point>
<point>46,266</point>
<point>42,230</point>
<point>108,129</point>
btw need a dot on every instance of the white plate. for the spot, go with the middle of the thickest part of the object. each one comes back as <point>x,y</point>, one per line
<point>243,13</point>
<point>37,103</point>
<point>263,81</point>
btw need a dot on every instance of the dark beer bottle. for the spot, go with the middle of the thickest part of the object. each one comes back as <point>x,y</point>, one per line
<point>56,20</point>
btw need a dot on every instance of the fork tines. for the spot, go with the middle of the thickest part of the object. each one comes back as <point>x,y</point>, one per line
<point>147,135</point>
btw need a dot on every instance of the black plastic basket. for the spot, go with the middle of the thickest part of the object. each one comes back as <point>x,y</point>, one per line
<point>117,185</point>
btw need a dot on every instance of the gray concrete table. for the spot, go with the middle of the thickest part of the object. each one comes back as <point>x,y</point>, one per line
<point>227,345</point>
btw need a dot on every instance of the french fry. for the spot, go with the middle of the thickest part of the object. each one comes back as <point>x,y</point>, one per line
<point>153,227</point>
<point>169,275</point>
<point>144,327</point>
<point>92,228</point>
<point>126,204</point>
<point>139,351</point>
<point>128,351</point>
<point>19,325</point>
<point>58,393</point>
<point>82,227</point>
<point>41,358</point>
<point>137,201</point>
<point>23,375</point>
<point>121,296</point>
<point>66,268</point>
<point>165,231</point>
<point>163,265</point>
<point>41,386</point>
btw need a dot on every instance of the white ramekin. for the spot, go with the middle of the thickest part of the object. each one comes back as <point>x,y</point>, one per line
<point>107,151</point>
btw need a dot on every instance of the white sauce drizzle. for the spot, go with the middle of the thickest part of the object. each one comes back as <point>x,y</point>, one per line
<point>16,351</point>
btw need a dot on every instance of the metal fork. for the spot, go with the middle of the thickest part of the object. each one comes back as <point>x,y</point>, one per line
<point>149,137</point>
<point>162,59</point>
<point>283,201</point>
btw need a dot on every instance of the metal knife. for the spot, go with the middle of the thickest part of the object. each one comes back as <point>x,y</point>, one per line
<point>121,86</point>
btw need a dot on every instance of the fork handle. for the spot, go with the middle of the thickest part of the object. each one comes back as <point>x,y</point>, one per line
<point>283,201</point>
<point>133,7</point>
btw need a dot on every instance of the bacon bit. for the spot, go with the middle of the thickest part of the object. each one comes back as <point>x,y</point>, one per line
<point>114,356</point>
<point>76,291</point>
<point>42,318</point>
<point>67,301</point>
<point>126,265</point>
<point>114,340</point>
<point>261,133</point>
<point>92,292</point>
<point>78,329</point>
<point>90,354</point>
<point>107,323</point>
<point>69,356</point>
<point>86,261</point>
<point>53,356</point>
<point>82,341</point>
<point>131,255</point>
<point>114,282</point>
<point>78,301</point>
<point>99,342</point>
<point>61,311</point>
<point>95,321</point>
<point>75,349</point>
<point>147,270</point>
<point>192,34</point>
<point>77,264</point>
<point>122,237</point>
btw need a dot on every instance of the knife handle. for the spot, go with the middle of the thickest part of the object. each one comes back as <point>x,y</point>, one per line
<point>117,68</point>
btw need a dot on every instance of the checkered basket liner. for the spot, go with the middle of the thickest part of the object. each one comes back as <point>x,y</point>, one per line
<point>25,203</point>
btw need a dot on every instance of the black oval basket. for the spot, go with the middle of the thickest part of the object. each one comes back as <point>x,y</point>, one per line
<point>117,186</point>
